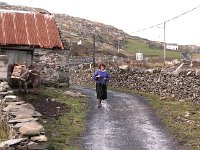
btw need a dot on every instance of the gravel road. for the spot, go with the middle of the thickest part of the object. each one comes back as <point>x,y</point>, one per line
<point>125,122</point>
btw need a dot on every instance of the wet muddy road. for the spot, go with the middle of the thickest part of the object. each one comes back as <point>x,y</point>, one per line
<point>125,122</point>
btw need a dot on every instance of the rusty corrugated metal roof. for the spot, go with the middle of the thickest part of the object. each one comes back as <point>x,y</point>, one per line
<point>32,29</point>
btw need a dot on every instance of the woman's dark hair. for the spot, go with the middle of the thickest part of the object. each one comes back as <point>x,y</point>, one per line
<point>102,66</point>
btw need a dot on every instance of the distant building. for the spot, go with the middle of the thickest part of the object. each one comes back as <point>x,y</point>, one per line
<point>139,56</point>
<point>172,46</point>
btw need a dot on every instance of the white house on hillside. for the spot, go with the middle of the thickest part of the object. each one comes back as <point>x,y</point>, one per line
<point>172,46</point>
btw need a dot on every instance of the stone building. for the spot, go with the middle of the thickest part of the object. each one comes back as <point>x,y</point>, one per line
<point>33,38</point>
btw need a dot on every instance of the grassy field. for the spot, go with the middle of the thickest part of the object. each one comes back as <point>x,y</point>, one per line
<point>134,46</point>
<point>196,56</point>
<point>181,118</point>
<point>63,132</point>
<point>2,133</point>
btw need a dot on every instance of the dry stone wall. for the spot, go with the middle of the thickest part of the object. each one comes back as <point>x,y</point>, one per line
<point>181,85</point>
<point>20,121</point>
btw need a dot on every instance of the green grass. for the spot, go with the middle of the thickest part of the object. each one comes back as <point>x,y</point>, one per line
<point>63,133</point>
<point>173,114</point>
<point>196,55</point>
<point>133,46</point>
<point>3,135</point>
<point>186,129</point>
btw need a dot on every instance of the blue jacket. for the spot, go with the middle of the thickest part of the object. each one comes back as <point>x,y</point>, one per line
<point>104,77</point>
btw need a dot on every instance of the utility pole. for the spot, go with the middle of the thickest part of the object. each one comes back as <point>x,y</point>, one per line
<point>164,45</point>
<point>94,52</point>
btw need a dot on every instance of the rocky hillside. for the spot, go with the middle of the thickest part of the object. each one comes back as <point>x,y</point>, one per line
<point>74,29</point>
<point>21,8</point>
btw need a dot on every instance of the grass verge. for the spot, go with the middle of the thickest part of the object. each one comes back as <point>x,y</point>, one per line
<point>181,118</point>
<point>63,132</point>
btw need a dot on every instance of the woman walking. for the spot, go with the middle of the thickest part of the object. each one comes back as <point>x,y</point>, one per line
<point>101,77</point>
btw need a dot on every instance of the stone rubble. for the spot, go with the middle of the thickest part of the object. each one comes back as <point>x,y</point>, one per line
<point>19,120</point>
<point>74,94</point>
<point>182,85</point>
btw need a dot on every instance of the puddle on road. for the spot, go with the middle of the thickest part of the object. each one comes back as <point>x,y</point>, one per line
<point>105,106</point>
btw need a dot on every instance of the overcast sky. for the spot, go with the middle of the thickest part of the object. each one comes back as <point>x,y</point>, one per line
<point>132,15</point>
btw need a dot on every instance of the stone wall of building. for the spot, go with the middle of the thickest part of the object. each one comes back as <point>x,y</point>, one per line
<point>181,85</point>
<point>3,67</point>
<point>54,66</point>
<point>20,121</point>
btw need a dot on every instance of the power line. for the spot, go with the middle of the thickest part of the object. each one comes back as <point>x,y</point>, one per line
<point>168,20</point>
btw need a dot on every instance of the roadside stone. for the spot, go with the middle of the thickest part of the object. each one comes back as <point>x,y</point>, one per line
<point>41,138</point>
<point>25,143</point>
<point>6,93</point>
<point>19,120</point>
<point>37,146</point>
<point>12,108</point>
<point>24,147</point>
<point>37,114</point>
<point>23,116</point>
<point>31,129</point>
<point>123,67</point>
<point>7,97</point>
<point>28,112</point>
<point>11,98</point>
<point>23,111</point>
<point>12,142</point>
<point>74,94</point>
<point>15,103</point>
<point>2,145</point>
<point>162,98</point>
<point>4,87</point>
<point>28,106</point>
<point>18,125</point>
<point>22,120</point>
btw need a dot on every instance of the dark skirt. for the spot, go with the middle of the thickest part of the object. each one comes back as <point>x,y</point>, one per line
<point>101,90</point>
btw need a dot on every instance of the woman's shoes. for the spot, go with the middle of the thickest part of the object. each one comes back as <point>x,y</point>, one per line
<point>99,103</point>
<point>99,106</point>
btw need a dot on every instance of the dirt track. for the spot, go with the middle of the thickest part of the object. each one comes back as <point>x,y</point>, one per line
<point>49,108</point>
